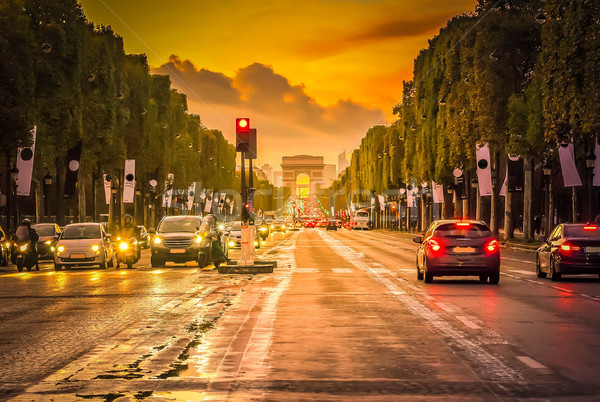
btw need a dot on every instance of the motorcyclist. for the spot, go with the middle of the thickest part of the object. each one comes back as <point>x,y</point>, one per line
<point>215,232</point>
<point>129,230</point>
<point>32,236</point>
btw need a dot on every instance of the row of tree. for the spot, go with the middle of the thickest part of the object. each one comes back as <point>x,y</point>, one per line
<point>74,81</point>
<point>521,75</point>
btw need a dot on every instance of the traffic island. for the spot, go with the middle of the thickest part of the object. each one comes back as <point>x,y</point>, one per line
<point>259,267</point>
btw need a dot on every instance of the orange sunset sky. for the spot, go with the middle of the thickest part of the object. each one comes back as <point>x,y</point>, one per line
<point>313,76</point>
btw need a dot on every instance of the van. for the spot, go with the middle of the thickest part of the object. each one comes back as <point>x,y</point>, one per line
<point>360,220</point>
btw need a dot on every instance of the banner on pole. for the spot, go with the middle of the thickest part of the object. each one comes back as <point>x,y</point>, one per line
<point>484,171</point>
<point>25,165</point>
<point>129,182</point>
<point>107,192</point>
<point>208,201</point>
<point>597,165</point>
<point>437,193</point>
<point>168,194</point>
<point>568,168</point>
<point>191,194</point>
<point>73,157</point>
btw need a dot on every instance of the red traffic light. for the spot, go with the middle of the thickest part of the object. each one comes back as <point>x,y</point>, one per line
<point>242,125</point>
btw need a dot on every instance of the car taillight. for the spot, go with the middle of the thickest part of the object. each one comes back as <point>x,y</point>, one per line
<point>568,248</point>
<point>491,246</point>
<point>463,224</point>
<point>590,227</point>
<point>435,247</point>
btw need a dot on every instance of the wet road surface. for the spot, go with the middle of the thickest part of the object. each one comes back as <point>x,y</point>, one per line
<point>342,317</point>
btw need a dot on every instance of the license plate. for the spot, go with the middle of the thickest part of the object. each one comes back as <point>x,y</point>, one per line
<point>77,255</point>
<point>464,249</point>
<point>177,251</point>
<point>592,249</point>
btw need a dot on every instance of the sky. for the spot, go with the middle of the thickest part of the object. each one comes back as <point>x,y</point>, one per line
<point>312,75</point>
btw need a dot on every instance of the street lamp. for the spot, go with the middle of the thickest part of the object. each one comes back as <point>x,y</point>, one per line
<point>47,183</point>
<point>14,175</point>
<point>540,18</point>
<point>590,163</point>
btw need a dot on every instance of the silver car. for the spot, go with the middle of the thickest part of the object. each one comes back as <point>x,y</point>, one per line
<point>83,245</point>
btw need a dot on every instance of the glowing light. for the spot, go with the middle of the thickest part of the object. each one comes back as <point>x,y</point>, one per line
<point>95,247</point>
<point>61,249</point>
<point>123,246</point>
<point>48,242</point>
<point>157,240</point>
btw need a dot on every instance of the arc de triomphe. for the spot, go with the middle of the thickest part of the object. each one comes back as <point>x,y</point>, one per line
<point>293,166</point>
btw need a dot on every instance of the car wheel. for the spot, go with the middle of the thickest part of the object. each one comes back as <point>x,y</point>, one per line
<point>57,267</point>
<point>156,262</point>
<point>483,278</point>
<point>554,276</point>
<point>495,278</point>
<point>538,268</point>
<point>20,266</point>
<point>202,260</point>
<point>428,277</point>
<point>419,273</point>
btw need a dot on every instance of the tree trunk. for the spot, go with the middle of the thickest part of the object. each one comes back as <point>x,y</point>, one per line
<point>59,201</point>
<point>494,212</point>
<point>574,205</point>
<point>39,200</point>
<point>81,197</point>
<point>527,195</point>
<point>477,204</point>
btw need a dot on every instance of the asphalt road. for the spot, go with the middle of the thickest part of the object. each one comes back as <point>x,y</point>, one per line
<point>342,317</point>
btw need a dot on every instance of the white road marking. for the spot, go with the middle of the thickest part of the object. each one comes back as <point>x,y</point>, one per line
<point>415,288</point>
<point>529,362</point>
<point>342,270</point>
<point>467,322</point>
<point>306,270</point>
<point>562,289</point>
<point>445,307</point>
<point>169,305</point>
<point>522,272</point>
<point>517,260</point>
<point>510,276</point>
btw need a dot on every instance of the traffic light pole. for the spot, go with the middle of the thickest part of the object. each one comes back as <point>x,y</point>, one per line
<point>247,238</point>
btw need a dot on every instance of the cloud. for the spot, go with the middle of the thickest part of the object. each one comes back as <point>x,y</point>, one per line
<point>290,121</point>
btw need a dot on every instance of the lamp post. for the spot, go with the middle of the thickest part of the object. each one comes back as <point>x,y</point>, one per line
<point>111,212</point>
<point>14,214</point>
<point>47,184</point>
<point>475,187</point>
<point>590,163</point>
<point>547,170</point>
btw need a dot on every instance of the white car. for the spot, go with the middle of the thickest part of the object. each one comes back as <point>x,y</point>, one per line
<point>83,245</point>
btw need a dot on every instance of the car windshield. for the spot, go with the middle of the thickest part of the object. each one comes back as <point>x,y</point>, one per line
<point>81,232</point>
<point>592,231</point>
<point>463,230</point>
<point>44,230</point>
<point>362,214</point>
<point>236,227</point>
<point>189,225</point>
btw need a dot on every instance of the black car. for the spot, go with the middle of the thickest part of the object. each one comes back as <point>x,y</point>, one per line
<point>458,248</point>
<point>331,225</point>
<point>4,248</point>
<point>177,239</point>
<point>49,234</point>
<point>571,248</point>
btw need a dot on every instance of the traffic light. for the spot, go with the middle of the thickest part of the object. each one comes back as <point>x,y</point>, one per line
<point>242,131</point>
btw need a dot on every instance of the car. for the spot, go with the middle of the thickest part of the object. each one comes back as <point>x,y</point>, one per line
<point>176,239</point>
<point>143,237</point>
<point>571,248</point>
<point>458,248</point>
<point>310,223</point>
<point>5,246</point>
<point>331,225</point>
<point>234,237</point>
<point>278,226</point>
<point>83,245</point>
<point>49,234</point>
<point>361,220</point>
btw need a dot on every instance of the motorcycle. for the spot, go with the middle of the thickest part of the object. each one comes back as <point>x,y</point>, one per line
<point>126,251</point>
<point>211,242</point>
<point>25,252</point>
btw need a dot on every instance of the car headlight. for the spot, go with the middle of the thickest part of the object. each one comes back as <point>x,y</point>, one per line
<point>95,247</point>
<point>61,249</point>
<point>198,239</point>
<point>263,229</point>
<point>48,242</point>
<point>231,244</point>
<point>24,247</point>
<point>283,227</point>
<point>255,244</point>
<point>123,245</point>
<point>221,227</point>
<point>52,248</point>
<point>157,240</point>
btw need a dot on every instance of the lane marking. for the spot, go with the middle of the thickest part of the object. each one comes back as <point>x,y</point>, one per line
<point>445,307</point>
<point>306,270</point>
<point>522,272</point>
<point>467,322</point>
<point>517,260</point>
<point>342,271</point>
<point>562,289</point>
<point>529,362</point>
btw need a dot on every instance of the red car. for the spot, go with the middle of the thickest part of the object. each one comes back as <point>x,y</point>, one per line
<point>571,248</point>
<point>310,224</point>
<point>458,248</point>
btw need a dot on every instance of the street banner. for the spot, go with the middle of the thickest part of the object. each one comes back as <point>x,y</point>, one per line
<point>222,202</point>
<point>191,194</point>
<point>129,181</point>
<point>516,178</point>
<point>73,157</point>
<point>484,171</point>
<point>352,208</point>
<point>597,165</point>
<point>168,194</point>
<point>410,199</point>
<point>567,165</point>
<point>437,193</point>
<point>25,165</point>
<point>332,212</point>
<point>107,192</point>
<point>208,201</point>
<point>381,202</point>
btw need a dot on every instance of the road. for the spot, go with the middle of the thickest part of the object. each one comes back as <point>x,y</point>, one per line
<point>342,317</point>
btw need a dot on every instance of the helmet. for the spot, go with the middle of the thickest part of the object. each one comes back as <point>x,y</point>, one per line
<point>127,219</point>
<point>26,221</point>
